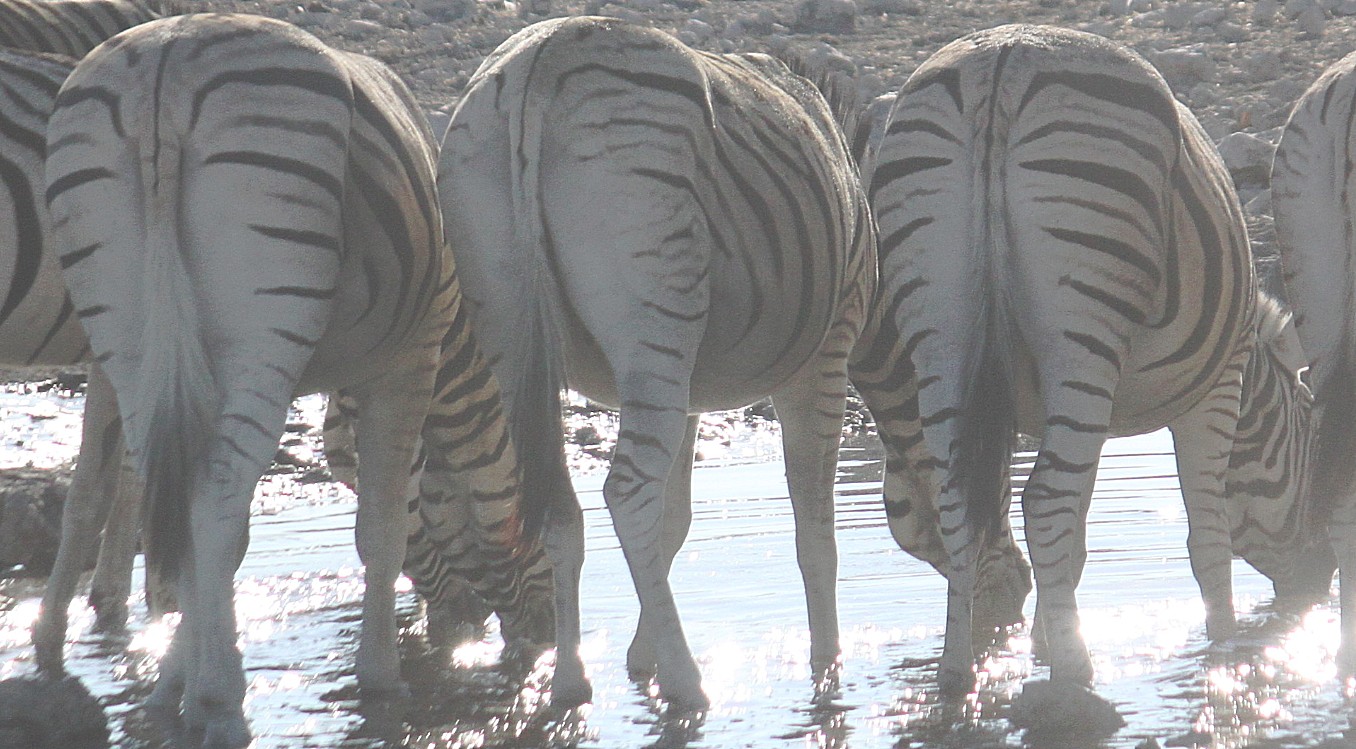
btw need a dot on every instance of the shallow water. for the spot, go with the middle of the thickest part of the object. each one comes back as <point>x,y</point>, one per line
<point>739,592</point>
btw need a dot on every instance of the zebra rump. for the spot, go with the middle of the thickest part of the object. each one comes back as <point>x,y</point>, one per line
<point>667,231</point>
<point>1062,253</point>
<point>244,215</point>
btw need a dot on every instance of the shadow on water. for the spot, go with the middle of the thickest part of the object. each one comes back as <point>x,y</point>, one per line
<point>738,587</point>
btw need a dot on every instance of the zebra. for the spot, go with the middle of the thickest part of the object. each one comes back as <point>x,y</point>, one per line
<point>1097,282</point>
<point>669,232</point>
<point>37,327</point>
<point>244,214</point>
<point>1312,199</point>
<point>70,27</point>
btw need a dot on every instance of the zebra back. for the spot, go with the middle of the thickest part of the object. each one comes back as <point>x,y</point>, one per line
<point>69,27</point>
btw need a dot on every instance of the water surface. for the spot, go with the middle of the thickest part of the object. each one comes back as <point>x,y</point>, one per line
<point>738,589</point>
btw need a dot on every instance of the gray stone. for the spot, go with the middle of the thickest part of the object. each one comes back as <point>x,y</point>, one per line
<point>1184,66</point>
<point>1119,7</point>
<point>1180,15</point>
<point>1203,94</point>
<point>1345,8</point>
<point>30,519</point>
<point>39,711</point>
<point>1231,32</point>
<point>1262,65</point>
<point>1264,12</point>
<point>826,16</point>
<point>1247,157</point>
<point>1294,8</point>
<point>1141,6</point>
<point>701,30</point>
<point>1209,17</point>
<point>1312,22</point>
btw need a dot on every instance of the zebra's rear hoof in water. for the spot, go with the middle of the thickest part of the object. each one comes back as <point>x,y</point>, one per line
<point>1053,710</point>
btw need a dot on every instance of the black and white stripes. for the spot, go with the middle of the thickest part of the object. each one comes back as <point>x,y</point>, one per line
<point>245,215</point>
<point>670,232</point>
<point>1062,254</point>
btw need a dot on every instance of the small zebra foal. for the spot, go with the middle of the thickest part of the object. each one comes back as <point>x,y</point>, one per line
<point>243,215</point>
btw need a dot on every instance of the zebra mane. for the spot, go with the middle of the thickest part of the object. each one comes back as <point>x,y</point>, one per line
<point>837,86</point>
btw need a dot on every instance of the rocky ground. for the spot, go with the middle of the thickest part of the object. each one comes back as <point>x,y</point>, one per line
<point>1238,65</point>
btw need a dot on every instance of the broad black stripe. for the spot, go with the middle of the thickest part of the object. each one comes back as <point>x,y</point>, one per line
<point>303,292</point>
<point>892,171</point>
<point>317,82</point>
<point>1095,346</point>
<point>901,235</point>
<point>28,236</point>
<point>682,87</point>
<point>299,236</point>
<point>1110,177</point>
<point>1115,90</point>
<point>391,219</point>
<point>921,125</point>
<point>1101,132</point>
<point>67,182</point>
<point>330,183</point>
<point>947,78</point>
<point>289,125</point>
<point>72,95</point>
<point>294,338</point>
<point>1101,295</point>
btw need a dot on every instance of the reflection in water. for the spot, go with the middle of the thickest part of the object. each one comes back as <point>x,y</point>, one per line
<point>739,591</point>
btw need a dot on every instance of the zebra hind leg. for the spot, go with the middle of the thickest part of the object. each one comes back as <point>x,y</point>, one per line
<point>85,510</point>
<point>641,662</point>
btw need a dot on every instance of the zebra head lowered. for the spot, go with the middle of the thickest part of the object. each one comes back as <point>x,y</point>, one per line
<point>666,231</point>
<point>243,215</point>
<point>1063,254</point>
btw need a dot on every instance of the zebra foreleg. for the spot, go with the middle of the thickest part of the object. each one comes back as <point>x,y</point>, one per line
<point>1203,439</point>
<point>85,511</point>
<point>640,657</point>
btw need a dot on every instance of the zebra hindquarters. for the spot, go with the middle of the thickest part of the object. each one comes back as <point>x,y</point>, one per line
<point>883,375</point>
<point>1312,196</point>
<point>195,196</point>
<point>935,291</point>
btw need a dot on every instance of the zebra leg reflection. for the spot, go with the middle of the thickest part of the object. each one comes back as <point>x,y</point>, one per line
<point>640,657</point>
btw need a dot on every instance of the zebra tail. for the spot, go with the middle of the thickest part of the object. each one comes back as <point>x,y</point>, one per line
<point>988,427</point>
<point>536,426</point>
<point>175,398</point>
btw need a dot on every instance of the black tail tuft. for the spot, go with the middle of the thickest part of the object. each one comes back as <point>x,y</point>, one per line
<point>987,434</point>
<point>538,429</point>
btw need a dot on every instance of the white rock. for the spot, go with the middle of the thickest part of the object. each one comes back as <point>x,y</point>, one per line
<point>1184,64</point>
<point>1247,157</point>
<point>699,29</point>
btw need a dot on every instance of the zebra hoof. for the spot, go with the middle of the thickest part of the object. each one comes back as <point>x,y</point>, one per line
<point>227,733</point>
<point>569,696</point>
<point>955,684</point>
<point>1049,711</point>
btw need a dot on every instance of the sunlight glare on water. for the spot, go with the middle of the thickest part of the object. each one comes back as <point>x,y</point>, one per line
<point>738,588</point>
